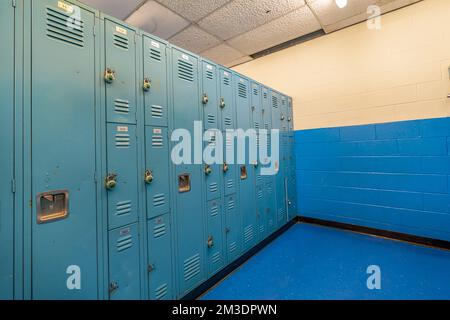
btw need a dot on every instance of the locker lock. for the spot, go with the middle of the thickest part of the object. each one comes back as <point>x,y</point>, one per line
<point>282,117</point>
<point>110,75</point>
<point>225,167</point>
<point>289,119</point>
<point>208,170</point>
<point>210,242</point>
<point>205,99</point>
<point>222,103</point>
<point>113,286</point>
<point>111,181</point>
<point>147,84</point>
<point>151,268</point>
<point>148,177</point>
<point>256,165</point>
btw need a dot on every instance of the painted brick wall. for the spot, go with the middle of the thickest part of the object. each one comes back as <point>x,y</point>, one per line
<point>392,176</point>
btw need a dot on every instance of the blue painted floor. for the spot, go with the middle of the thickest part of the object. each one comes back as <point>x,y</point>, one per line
<point>314,262</point>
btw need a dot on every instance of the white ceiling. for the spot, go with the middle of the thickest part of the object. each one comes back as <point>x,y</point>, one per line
<point>229,31</point>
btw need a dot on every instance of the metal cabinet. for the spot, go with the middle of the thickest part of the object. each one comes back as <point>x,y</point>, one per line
<point>215,245</point>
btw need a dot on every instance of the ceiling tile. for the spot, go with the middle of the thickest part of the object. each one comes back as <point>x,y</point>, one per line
<point>194,39</point>
<point>116,8</point>
<point>238,61</point>
<point>193,10</point>
<point>222,54</point>
<point>295,24</point>
<point>158,20</point>
<point>240,16</point>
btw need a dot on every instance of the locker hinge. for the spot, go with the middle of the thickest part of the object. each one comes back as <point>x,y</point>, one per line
<point>13,186</point>
<point>14,3</point>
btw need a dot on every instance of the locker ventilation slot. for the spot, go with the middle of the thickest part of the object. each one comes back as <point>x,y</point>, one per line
<point>256,125</point>
<point>124,243</point>
<point>63,27</point>
<point>215,257</point>
<point>122,106</point>
<point>248,234</point>
<point>185,71</point>
<point>230,184</point>
<point>275,102</point>
<point>228,121</point>
<point>255,92</point>
<point>209,75</point>
<point>157,111</point>
<point>213,187</point>
<point>211,118</point>
<point>159,200</point>
<point>233,247</point>
<point>122,140</point>
<point>121,42</point>
<point>242,90</point>
<point>261,229</point>
<point>123,208</point>
<point>159,231</point>
<point>161,292</point>
<point>191,267</point>
<point>226,81</point>
<point>155,54</point>
<point>157,141</point>
<point>259,179</point>
<point>265,95</point>
<point>214,211</point>
<point>230,205</point>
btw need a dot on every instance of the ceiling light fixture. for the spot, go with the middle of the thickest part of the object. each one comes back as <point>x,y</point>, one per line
<point>341,3</point>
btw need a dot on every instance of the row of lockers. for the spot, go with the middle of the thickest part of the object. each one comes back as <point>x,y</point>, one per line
<point>92,206</point>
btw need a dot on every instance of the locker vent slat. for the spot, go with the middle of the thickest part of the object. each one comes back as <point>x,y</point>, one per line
<point>185,71</point>
<point>242,90</point>
<point>248,234</point>
<point>213,187</point>
<point>261,229</point>
<point>230,205</point>
<point>159,231</point>
<point>226,81</point>
<point>159,200</point>
<point>63,27</point>
<point>215,257</point>
<point>230,184</point>
<point>157,111</point>
<point>233,247</point>
<point>155,54</point>
<point>161,292</point>
<point>157,141</point>
<point>123,140</point>
<point>122,106</point>
<point>228,121</point>
<point>123,208</point>
<point>214,211</point>
<point>121,41</point>
<point>274,102</point>
<point>209,75</point>
<point>265,95</point>
<point>211,118</point>
<point>191,267</point>
<point>255,92</point>
<point>124,243</point>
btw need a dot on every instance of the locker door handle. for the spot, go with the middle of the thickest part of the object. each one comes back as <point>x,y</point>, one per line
<point>110,75</point>
<point>222,103</point>
<point>148,177</point>
<point>208,170</point>
<point>111,181</point>
<point>210,242</point>
<point>147,84</point>
<point>225,167</point>
<point>205,99</point>
<point>113,286</point>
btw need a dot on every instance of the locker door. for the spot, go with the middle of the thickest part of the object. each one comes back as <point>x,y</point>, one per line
<point>271,208</point>
<point>210,99</point>
<point>155,74</point>
<point>232,229</point>
<point>226,102</point>
<point>122,167</point>
<point>292,203</point>
<point>229,170</point>
<point>188,178</point>
<point>276,110</point>
<point>284,114</point>
<point>214,241</point>
<point>212,173</point>
<point>120,53</point>
<point>261,212</point>
<point>124,279</point>
<point>256,106</point>
<point>157,173</point>
<point>281,182</point>
<point>7,143</point>
<point>160,258</point>
<point>64,220</point>
<point>266,110</point>
<point>290,116</point>
<point>243,104</point>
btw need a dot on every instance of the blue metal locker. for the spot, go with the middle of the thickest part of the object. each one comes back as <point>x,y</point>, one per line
<point>160,258</point>
<point>226,101</point>
<point>214,242</point>
<point>155,83</point>
<point>281,181</point>
<point>284,114</point>
<point>157,173</point>
<point>271,208</point>
<point>210,99</point>
<point>276,109</point>
<point>188,177</point>
<point>124,279</point>
<point>63,154</point>
<point>290,118</point>
<point>261,214</point>
<point>7,158</point>
<point>212,172</point>
<point>232,229</point>
<point>229,170</point>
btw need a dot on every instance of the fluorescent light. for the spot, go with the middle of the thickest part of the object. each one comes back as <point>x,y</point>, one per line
<point>341,3</point>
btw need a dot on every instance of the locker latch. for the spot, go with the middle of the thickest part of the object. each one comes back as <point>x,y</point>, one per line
<point>52,206</point>
<point>205,99</point>
<point>151,268</point>
<point>147,84</point>
<point>210,242</point>
<point>222,103</point>
<point>111,181</point>
<point>110,75</point>
<point>227,230</point>
<point>148,177</point>
<point>243,172</point>
<point>289,119</point>
<point>282,117</point>
<point>184,183</point>
<point>208,169</point>
<point>255,164</point>
<point>253,108</point>
<point>113,286</point>
<point>225,167</point>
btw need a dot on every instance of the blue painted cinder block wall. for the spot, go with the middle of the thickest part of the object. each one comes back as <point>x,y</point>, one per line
<point>392,176</point>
